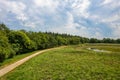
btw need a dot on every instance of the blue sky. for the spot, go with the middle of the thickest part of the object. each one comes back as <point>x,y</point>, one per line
<point>88,18</point>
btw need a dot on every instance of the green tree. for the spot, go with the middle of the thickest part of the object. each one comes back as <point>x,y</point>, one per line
<point>21,42</point>
<point>118,41</point>
<point>3,27</point>
<point>93,40</point>
<point>6,50</point>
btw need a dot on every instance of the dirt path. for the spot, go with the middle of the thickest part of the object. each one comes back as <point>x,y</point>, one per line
<point>9,68</point>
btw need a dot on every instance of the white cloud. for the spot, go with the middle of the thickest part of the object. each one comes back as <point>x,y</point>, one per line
<point>97,35</point>
<point>108,13</point>
<point>78,17</point>
<point>111,4</point>
<point>22,17</point>
<point>14,7</point>
<point>46,3</point>
<point>0,10</point>
<point>30,24</point>
<point>69,26</point>
<point>116,29</point>
<point>107,2</point>
<point>111,19</point>
<point>70,21</point>
<point>80,7</point>
<point>50,5</point>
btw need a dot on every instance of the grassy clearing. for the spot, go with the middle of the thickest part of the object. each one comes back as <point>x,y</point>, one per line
<point>70,63</point>
<point>14,59</point>
<point>109,47</point>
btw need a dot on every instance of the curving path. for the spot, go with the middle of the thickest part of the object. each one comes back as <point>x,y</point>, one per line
<point>9,68</point>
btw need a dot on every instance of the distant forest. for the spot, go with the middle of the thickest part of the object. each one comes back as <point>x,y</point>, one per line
<point>19,42</point>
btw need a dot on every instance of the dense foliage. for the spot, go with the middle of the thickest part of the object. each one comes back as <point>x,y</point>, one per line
<point>19,42</point>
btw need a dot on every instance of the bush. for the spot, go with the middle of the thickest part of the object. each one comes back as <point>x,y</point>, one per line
<point>2,55</point>
<point>21,42</point>
<point>6,50</point>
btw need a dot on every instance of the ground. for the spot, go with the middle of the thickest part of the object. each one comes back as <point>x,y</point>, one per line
<point>71,63</point>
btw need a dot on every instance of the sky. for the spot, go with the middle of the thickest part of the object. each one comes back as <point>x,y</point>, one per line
<point>86,18</point>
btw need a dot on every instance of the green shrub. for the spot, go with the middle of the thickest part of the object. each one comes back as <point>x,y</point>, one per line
<point>2,55</point>
<point>6,50</point>
<point>20,42</point>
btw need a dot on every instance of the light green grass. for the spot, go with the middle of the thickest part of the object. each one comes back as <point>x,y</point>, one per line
<point>109,47</point>
<point>14,59</point>
<point>70,63</point>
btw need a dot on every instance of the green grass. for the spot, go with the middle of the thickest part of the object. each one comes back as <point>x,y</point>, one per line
<point>14,59</point>
<point>69,63</point>
<point>109,47</point>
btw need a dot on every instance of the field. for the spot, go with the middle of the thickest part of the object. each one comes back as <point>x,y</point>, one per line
<point>71,63</point>
<point>14,59</point>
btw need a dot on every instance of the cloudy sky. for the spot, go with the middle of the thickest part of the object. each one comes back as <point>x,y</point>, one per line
<point>88,18</point>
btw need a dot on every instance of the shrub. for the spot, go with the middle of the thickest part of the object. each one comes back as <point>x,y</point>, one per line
<point>20,41</point>
<point>6,50</point>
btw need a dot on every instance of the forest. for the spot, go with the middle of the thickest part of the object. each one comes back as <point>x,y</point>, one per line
<point>16,42</point>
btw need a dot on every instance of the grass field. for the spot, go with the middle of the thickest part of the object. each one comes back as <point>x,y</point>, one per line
<point>14,59</point>
<point>71,63</point>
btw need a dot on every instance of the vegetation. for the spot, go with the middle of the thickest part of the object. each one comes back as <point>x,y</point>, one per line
<point>6,50</point>
<point>14,59</point>
<point>18,42</point>
<point>71,63</point>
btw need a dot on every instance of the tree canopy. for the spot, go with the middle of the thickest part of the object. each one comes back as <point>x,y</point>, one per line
<point>18,42</point>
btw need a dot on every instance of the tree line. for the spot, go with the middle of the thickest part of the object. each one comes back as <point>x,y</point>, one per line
<point>19,42</point>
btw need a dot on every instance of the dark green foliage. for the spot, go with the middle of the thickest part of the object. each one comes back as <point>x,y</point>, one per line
<point>48,40</point>
<point>93,40</point>
<point>6,50</point>
<point>75,40</point>
<point>19,42</point>
<point>108,40</point>
<point>118,41</point>
<point>2,56</point>
<point>3,27</point>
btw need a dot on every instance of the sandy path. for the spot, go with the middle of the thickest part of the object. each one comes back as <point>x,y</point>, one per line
<point>9,68</point>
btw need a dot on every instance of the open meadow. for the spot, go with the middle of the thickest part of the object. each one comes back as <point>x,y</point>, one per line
<point>75,62</point>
